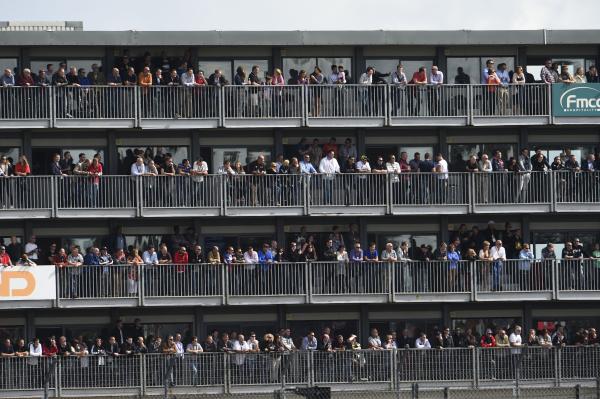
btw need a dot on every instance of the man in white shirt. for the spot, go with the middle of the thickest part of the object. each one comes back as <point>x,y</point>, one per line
<point>333,77</point>
<point>35,352</point>
<point>149,256</point>
<point>498,254</point>
<point>138,168</point>
<point>250,258</point>
<point>31,249</point>
<point>436,77</point>
<point>399,103</point>
<point>515,341</point>
<point>375,340</point>
<point>199,170</point>
<point>240,346</point>
<point>422,342</point>
<point>328,167</point>
<point>179,345</point>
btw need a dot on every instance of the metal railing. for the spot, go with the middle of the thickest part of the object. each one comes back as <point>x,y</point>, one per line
<point>387,103</point>
<point>347,101</point>
<point>305,194</point>
<point>429,101</point>
<point>315,282</point>
<point>513,100</point>
<point>179,102</point>
<point>247,371</point>
<point>96,102</point>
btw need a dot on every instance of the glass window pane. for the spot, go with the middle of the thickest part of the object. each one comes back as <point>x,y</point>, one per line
<point>572,63</point>
<point>36,66</point>
<point>535,71</point>
<point>11,153</point>
<point>412,149</point>
<point>8,63</point>
<point>383,66</point>
<point>127,155</point>
<point>470,66</point>
<point>308,64</point>
<point>460,153</point>
<point>325,64</point>
<point>85,64</point>
<point>209,68</point>
<point>263,66</point>
<point>589,63</point>
<point>412,66</point>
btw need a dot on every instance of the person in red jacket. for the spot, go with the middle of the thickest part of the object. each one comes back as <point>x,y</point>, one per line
<point>51,349</point>
<point>488,340</point>
<point>25,79</point>
<point>181,258</point>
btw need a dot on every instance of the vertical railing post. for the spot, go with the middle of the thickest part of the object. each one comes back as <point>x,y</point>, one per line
<point>476,366</point>
<point>471,184</point>
<point>549,107</point>
<point>226,374</point>
<point>308,281</point>
<point>58,376</point>
<point>555,280</point>
<point>137,112</point>
<point>142,358</point>
<point>139,197</point>
<point>305,182</point>
<point>394,374</point>
<point>557,359</point>
<point>310,360</point>
<point>305,106</point>
<point>52,105</point>
<point>390,272</point>
<point>221,95</point>
<point>388,105</point>
<point>141,284</point>
<point>470,105</point>
<point>473,282</point>
<point>388,194</point>
<point>223,189</point>
<point>553,185</point>
<point>54,182</point>
<point>225,283</point>
<point>57,286</point>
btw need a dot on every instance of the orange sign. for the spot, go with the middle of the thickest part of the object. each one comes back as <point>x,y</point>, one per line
<point>27,283</point>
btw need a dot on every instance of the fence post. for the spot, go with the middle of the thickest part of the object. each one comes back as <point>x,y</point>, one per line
<point>306,192</point>
<point>308,281</point>
<point>139,198</point>
<point>470,107</point>
<point>388,194</point>
<point>54,192</point>
<point>549,108</point>
<point>57,286</point>
<point>577,391</point>
<point>557,364</point>
<point>475,355</point>
<point>446,392</point>
<point>391,285</point>
<point>555,280</point>
<point>394,373</point>
<point>58,376</point>
<point>223,189</point>
<point>305,106</point>
<point>141,284</point>
<point>311,369</point>
<point>553,198</point>
<point>473,282</point>
<point>142,375</point>
<point>415,390</point>
<point>388,105</point>
<point>225,283</point>
<point>598,387</point>
<point>137,112</point>
<point>52,105</point>
<point>221,94</point>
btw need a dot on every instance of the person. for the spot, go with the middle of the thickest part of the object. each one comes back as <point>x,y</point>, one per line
<point>580,76</point>
<point>309,342</point>
<point>328,167</point>
<point>422,342</point>
<point>498,254</point>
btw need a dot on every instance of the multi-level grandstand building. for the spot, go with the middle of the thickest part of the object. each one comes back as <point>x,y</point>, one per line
<point>293,139</point>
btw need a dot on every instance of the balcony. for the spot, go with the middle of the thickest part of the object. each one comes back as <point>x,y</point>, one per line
<point>206,107</point>
<point>368,194</point>
<point>350,370</point>
<point>309,283</point>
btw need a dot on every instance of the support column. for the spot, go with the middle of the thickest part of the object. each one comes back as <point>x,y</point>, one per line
<point>360,144</point>
<point>523,139</point>
<point>111,153</point>
<point>358,63</point>
<point>26,144</point>
<point>525,219</point>
<point>445,235</point>
<point>195,146</point>
<point>278,141</point>
<point>199,327</point>
<point>443,144</point>
<point>441,62</point>
<point>29,325</point>
<point>364,325</point>
<point>521,56</point>
<point>25,59</point>
<point>363,232</point>
<point>527,317</point>
<point>445,315</point>
<point>281,316</point>
<point>280,232</point>
<point>277,59</point>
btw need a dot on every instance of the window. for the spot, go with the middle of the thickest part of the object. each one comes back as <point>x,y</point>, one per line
<point>263,66</point>
<point>237,241</point>
<point>127,155</point>
<point>12,332</point>
<point>473,66</point>
<point>460,153</point>
<point>414,240</point>
<point>308,64</point>
<point>8,63</point>
<point>245,155</point>
<point>478,326</point>
<point>229,66</point>
<point>559,238</point>
<point>86,64</point>
<point>580,151</point>
<point>82,242</point>
<point>346,328</point>
<point>11,153</point>
<point>414,327</point>
<point>411,152</point>
<point>389,65</point>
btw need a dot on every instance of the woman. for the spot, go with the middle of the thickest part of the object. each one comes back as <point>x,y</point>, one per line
<point>493,83</point>
<point>518,80</point>
<point>239,184</point>
<point>311,253</point>
<point>200,79</point>
<point>565,76</point>
<point>302,78</point>
<point>94,171</point>
<point>453,265</point>
<point>278,93</point>
<point>580,76</point>
<point>316,78</point>
<point>485,256</point>
<point>342,263</point>
<point>135,260</point>
<point>340,344</point>
<point>471,258</point>
<point>22,167</point>
<point>486,167</point>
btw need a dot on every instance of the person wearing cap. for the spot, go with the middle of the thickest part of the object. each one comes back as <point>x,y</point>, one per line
<point>4,258</point>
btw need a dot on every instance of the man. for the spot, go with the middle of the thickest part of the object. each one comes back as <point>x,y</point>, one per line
<point>485,74</point>
<point>498,254</point>
<point>526,262</point>
<point>525,169</point>
<point>150,256</point>
<point>306,166</point>
<point>571,267</point>
<point>217,79</point>
<point>422,342</point>
<point>441,180</point>
<point>8,79</point>
<point>502,339</point>
<point>118,333</point>
<point>503,93</point>
<point>31,249</point>
<point>4,257</point>
<point>546,74</point>
<point>199,172</point>
<point>592,75</point>
<point>515,340</point>
<point>258,188</point>
<point>374,340</point>
<point>462,78</point>
<point>347,150</point>
<point>417,94</point>
<point>328,167</point>
<point>309,343</point>
<point>14,249</point>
